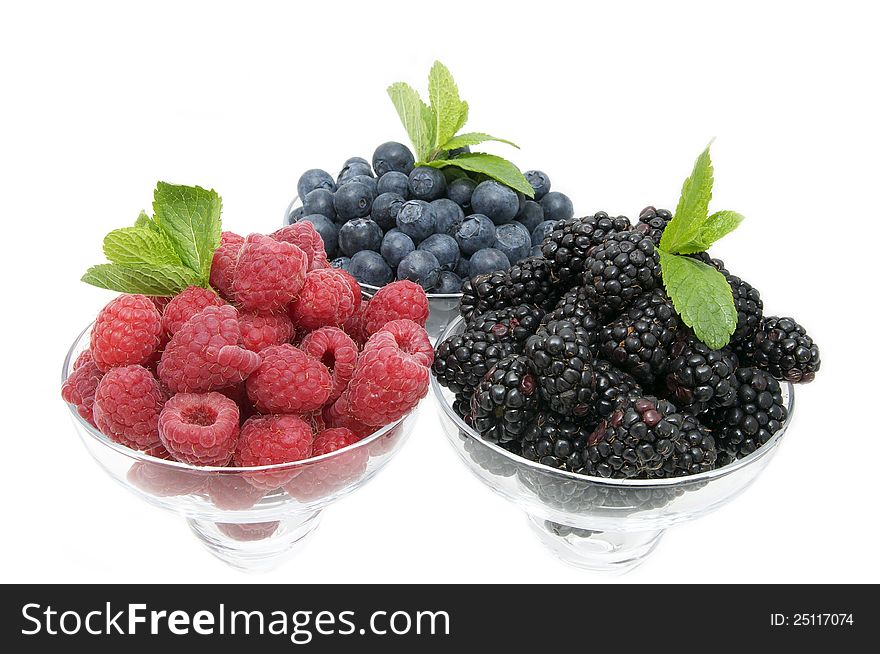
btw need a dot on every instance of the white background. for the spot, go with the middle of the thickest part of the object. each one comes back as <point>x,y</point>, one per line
<point>100,100</point>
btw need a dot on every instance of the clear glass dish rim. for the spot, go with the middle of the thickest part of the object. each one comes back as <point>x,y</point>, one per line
<point>375,289</point>
<point>758,454</point>
<point>138,455</point>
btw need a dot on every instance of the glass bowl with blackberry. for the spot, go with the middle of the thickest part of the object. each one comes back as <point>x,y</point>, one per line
<point>388,219</point>
<point>252,518</point>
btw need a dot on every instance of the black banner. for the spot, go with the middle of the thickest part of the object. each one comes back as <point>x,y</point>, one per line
<point>278,618</point>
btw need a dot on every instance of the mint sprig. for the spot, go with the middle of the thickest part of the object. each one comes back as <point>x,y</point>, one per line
<point>434,130</point>
<point>699,292</point>
<point>164,253</point>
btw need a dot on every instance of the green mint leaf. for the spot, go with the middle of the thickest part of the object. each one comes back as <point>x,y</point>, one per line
<point>693,207</point>
<point>446,107</point>
<point>416,116</point>
<point>701,296</point>
<point>140,245</point>
<point>163,281</point>
<point>719,224</point>
<point>190,218</point>
<point>489,164</point>
<point>473,138</point>
<point>143,220</point>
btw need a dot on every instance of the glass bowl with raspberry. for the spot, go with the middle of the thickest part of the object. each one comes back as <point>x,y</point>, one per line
<point>252,517</point>
<point>443,305</point>
<point>592,522</point>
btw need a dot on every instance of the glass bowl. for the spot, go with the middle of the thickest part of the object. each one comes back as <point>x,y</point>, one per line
<point>591,522</point>
<point>442,307</point>
<point>251,518</point>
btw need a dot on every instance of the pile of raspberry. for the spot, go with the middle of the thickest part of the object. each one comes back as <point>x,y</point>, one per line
<point>278,361</point>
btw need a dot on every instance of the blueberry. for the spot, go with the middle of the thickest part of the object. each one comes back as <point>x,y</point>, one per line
<point>557,206</point>
<point>538,181</point>
<point>369,267</point>
<point>366,180</point>
<point>542,231</point>
<point>294,215</point>
<point>327,229</point>
<point>476,232</point>
<point>353,201</point>
<point>393,156</point>
<point>448,216</point>
<point>312,179</point>
<point>495,200</point>
<point>514,240</point>
<point>488,260</point>
<point>444,248</point>
<point>319,201</point>
<point>460,191</point>
<point>463,267</point>
<point>359,234</point>
<point>395,246</point>
<point>448,283</point>
<point>426,183</point>
<point>420,267</point>
<point>385,210</point>
<point>341,262</point>
<point>394,182</point>
<point>416,219</point>
<point>531,215</point>
<point>353,166</point>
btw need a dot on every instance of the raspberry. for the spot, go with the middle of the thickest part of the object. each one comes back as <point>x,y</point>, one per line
<point>231,492</point>
<point>164,480</point>
<point>126,332</point>
<point>289,381</point>
<point>128,401</point>
<point>199,429</point>
<point>412,339</point>
<point>159,302</point>
<point>223,264</point>
<point>388,382</point>
<point>323,478</point>
<point>337,351</point>
<point>338,415</point>
<point>260,330</point>
<point>326,299</point>
<point>354,326</point>
<point>306,238</point>
<point>79,388</point>
<point>331,440</point>
<point>248,531</point>
<point>185,305</point>
<point>272,440</point>
<point>268,273</point>
<point>204,354</point>
<point>402,299</point>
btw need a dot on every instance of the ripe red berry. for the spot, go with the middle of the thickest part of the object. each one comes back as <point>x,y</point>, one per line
<point>271,440</point>
<point>411,338</point>
<point>128,401</point>
<point>326,299</point>
<point>337,351</point>
<point>268,273</point>
<point>401,299</point>
<point>304,235</point>
<point>126,332</point>
<point>185,305</point>
<point>331,440</point>
<point>288,381</point>
<point>80,386</point>
<point>200,428</point>
<point>223,264</point>
<point>259,330</point>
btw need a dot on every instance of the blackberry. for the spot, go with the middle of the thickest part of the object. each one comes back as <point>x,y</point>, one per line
<point>613,388</point>
<point>749,307</point>
<point>556,441</point>
<point>758,412</point>
<point>505,401</point>
<point>574,307</point>
<point>511,325</point>
<point>784,349</point>
<point>639,341</point>
<point>652,222</point>
<point>649,439</point>
<point>527,282</point>
<point>624,266</point>
<point>463,360</point>
<point>561,356</point>
<point>698,377</point>
<point>566,247</point>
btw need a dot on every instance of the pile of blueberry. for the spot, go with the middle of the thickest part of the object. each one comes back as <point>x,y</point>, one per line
<point>396,220</point>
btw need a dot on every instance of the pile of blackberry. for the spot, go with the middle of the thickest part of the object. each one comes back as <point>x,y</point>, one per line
<point>391,219</point>
<point>575,358</point>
